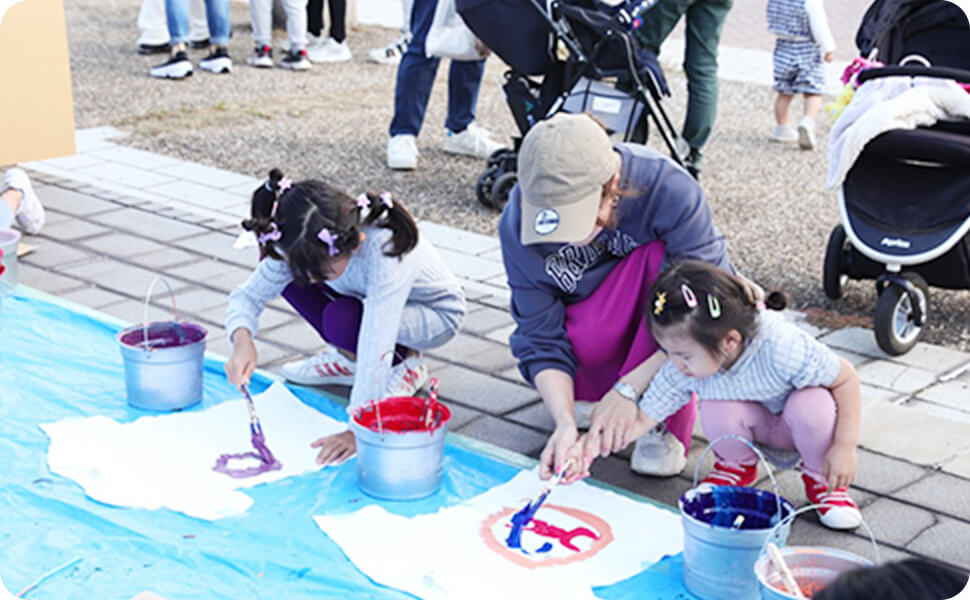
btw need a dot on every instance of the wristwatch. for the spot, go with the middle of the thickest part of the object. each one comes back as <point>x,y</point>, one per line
<point>627,391</point>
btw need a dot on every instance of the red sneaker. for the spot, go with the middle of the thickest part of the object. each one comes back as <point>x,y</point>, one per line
<point>841,511</point>
<point>742,475</point>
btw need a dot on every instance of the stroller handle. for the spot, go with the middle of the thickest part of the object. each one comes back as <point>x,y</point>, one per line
<point>915,71</point>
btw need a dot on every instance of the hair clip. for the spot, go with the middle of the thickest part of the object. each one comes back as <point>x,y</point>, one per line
<point>713,306</point>
<point>760,305</point>
<point>363,201</point>
<point>330,240</point>
<point>273,235</point>
<point>387,200</point>
<point>689,298</point>
<point>658,304</point>
<point>285,184</point>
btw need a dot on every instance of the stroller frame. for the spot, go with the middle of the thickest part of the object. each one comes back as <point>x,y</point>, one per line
<point>498,179</point>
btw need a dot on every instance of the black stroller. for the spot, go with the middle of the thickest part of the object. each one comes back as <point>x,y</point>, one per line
<point>590,62</point>
<point>905,202</point>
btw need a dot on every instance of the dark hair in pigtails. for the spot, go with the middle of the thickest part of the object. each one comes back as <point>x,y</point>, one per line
<point>394,217</point>
<point>708,301</point>
<point>262,221</point>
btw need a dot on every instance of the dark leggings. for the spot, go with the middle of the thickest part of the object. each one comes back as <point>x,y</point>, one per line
<point>335,317</point>
<point>338,18</point>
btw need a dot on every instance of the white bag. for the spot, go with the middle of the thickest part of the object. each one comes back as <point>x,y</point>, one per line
<point>449,37</point>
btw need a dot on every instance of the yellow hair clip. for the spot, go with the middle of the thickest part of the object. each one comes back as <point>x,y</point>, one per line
<point>658,304</point>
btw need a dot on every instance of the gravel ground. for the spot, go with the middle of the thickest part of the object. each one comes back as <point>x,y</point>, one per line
<point>331,122</point>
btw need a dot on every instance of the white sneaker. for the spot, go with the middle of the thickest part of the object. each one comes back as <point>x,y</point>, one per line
<point>407,377</point>
<point>474,141</point>
<point>402,152</point>
<point>30,214</point>
<point>178,66</point>
<point>329,51</point>
<point>327,368</point>
<point>262,57</point>
<point>784,134</point>
<point>658,453</point>
<point>806,134</point>
<point>217,61</point>
<point>390,54</point>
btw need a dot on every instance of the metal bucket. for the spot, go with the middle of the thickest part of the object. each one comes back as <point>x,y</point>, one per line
<point>400,447</point>
<point>163,361</point>
<point>725,529</point>
<point>9,239</point>
<point>812,567</point>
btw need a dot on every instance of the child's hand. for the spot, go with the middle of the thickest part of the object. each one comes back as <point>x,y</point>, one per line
<point>840,466</point>
<point>829,56</point>
<point>240,366</point>
<point>557,450</point>
<point>578,466</point>
<point>335,449</point>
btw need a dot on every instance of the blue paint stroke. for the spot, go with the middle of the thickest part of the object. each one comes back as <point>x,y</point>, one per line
<point>523,518</point>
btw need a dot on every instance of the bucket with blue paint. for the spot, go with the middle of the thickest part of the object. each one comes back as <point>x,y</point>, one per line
<point>812,567</point>
<point>725,528</point>
<point>163,360</point>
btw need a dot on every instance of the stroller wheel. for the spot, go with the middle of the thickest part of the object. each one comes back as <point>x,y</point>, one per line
<point>483,189</point>
<point>496,158</point>
<point>834,276</point>
<point>897,326</point>
<point>501,190</point>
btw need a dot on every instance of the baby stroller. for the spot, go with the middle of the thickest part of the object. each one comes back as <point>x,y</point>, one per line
<point>589,61</point>
<point>905,202</point>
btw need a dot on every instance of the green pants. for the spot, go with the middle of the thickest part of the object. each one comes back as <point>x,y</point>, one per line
<point>705,20</point>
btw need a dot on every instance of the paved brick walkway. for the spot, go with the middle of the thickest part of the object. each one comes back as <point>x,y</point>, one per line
<point>118,216</point>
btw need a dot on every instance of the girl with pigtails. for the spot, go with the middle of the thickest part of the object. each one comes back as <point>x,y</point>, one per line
<point>357,271</point>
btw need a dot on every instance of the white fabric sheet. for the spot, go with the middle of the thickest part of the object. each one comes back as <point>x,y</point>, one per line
<point>166,461</point>
<point>447,554</point>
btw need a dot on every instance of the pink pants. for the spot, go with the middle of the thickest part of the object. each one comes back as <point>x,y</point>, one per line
<point>807,424</point>
<point>609,336</point>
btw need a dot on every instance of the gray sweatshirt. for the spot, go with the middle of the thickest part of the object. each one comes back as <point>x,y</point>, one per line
<point>384,284</point>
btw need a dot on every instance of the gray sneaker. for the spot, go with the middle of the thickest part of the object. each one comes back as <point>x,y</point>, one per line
<point>30,214</point>
<point>658,453</point>
<point>806,134</point>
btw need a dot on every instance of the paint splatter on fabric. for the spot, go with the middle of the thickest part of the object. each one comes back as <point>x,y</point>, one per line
<point>267,462</point>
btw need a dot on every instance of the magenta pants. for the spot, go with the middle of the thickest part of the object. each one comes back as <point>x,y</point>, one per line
<point>609,335</point>
<point>806,424</point>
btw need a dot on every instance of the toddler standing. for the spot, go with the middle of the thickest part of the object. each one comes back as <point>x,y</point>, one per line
<point>803,42</point>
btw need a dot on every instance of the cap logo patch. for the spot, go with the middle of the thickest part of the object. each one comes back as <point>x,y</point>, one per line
<point>546,221</point>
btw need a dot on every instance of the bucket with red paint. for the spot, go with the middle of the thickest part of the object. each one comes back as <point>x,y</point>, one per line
<point>163,360</point>
<point>400,447</point>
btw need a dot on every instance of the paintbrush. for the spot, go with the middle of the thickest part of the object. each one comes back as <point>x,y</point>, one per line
<point>254,425</point>
<point>536,502</point>
<point>786,575</point>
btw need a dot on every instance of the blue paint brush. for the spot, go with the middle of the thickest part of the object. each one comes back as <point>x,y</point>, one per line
<point>522,518</point>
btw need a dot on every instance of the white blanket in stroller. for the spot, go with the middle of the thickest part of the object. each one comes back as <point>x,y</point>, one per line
<point>890,103</point>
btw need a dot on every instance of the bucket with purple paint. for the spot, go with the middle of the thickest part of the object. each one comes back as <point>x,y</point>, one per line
<point>163,360</point>
<point>400,447</point>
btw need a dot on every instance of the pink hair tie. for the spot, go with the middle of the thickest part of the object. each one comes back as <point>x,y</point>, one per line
<point>387,200</point>
<point>760,305</point>
<point>363,201</point>
<point>330,240</point>
<point>285,184</point>
<point>273,235</point>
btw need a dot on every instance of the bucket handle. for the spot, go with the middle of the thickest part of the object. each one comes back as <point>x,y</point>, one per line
<point>761,457</point>
<point>791,517</point>
<point>148,297</point>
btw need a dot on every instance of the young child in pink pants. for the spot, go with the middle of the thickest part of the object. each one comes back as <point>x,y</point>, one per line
<point>757,376</point>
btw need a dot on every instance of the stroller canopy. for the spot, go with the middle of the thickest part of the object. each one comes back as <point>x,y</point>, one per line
<point>935,29</point>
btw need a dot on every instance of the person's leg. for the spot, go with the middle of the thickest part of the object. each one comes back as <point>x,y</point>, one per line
<point>464,81</point>
<point>217,16</point>
<point>659,21</point>
<point>782,108</point>
<point>314,17</point>
<point>705,20</point>
<point>407,6</point>
<point>151,23</point>
<point>338,20</point>
<point>261,13</point>
<point>198,25</point>
<point>813,104</point>
<point>177,14</point>
<point>415,75</point>
<point>749,420</point>
<point>296,23</point>
<point>809,416</point>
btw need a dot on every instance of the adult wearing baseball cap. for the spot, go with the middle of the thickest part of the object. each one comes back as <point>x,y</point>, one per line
<point>586,230</point>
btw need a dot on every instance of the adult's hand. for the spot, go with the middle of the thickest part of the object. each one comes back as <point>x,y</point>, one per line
<point>560,447</point>
<point>613,422</point>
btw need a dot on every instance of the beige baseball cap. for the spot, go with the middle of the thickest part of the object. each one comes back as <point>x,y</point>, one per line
<point>564,162</point>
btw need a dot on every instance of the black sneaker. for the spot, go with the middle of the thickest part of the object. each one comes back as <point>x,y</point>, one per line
<point>262,57</point>
<point>152,48</point>
<point>218,61</point>
<point>295,60</point>
<point>178,67</point>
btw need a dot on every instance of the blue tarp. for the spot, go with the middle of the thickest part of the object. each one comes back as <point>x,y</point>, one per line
<point>56,363</point>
